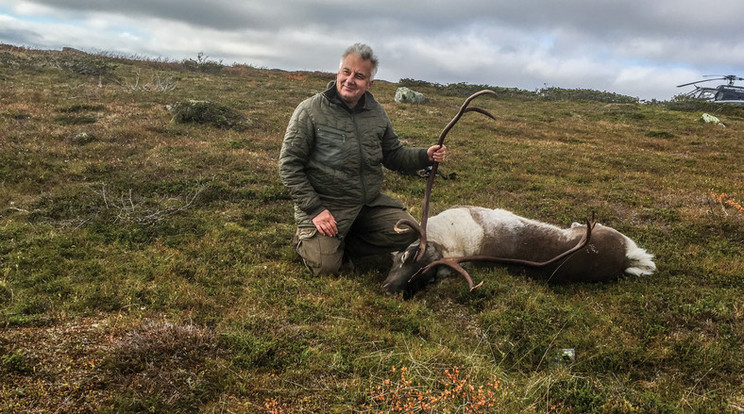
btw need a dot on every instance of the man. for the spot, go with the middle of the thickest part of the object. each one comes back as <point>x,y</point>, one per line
<point>331,162</point>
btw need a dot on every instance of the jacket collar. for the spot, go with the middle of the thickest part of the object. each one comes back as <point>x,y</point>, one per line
<point>364,104</point>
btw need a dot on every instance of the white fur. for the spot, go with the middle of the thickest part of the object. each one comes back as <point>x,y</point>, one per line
<point>506,220</point>
<point>641,261</point>
<point>457,232</point>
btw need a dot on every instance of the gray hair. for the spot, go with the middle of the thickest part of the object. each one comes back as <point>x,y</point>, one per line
<point>363,51</point>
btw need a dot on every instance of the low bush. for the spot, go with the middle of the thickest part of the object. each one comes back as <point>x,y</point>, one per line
<point>209,113</point>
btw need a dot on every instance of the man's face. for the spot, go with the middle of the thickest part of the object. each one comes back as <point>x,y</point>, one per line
<point>353,79</point>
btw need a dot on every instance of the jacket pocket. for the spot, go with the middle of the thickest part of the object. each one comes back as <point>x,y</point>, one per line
<point>330,146</point>
<point>373,152</point>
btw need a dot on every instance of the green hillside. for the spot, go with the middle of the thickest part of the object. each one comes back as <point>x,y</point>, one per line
<point>145,263</point>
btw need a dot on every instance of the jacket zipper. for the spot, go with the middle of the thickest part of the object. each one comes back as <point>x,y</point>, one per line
<point>361,158</point>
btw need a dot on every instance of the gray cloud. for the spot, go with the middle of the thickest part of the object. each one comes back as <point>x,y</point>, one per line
<point>215,14</point>
<point>634,47</point>
<point>18,36</point>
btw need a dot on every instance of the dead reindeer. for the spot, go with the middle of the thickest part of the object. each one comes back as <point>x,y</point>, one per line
<point>581,253</point>
<point>589,252</point>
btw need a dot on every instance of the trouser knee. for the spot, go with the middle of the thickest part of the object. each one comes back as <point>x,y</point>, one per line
<point>322,255</point>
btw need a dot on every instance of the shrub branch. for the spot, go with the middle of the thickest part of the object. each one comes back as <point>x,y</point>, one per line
<point>146,212</point>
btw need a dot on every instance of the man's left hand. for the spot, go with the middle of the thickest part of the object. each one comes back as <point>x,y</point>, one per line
<point>437,153</point>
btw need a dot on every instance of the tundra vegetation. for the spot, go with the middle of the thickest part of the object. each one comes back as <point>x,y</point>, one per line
<point>145,263</point>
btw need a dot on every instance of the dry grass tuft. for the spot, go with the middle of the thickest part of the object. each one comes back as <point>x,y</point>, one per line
<point>209,113</point>
<point>163,359</point>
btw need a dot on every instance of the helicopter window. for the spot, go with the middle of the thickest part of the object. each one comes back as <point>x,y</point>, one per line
<point>728,95</point>
<point>706,95</point>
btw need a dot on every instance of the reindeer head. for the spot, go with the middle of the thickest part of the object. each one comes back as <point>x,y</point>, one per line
<point>408,275</point>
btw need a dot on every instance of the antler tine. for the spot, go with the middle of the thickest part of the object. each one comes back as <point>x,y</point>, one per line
<point>415,226</point>
<point>433,173</point>
<point>480,110</point>
<point>464,108</point>
<point>453,263</point>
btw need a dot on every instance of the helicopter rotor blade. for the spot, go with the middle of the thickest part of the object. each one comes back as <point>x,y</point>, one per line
<point>700,81</point>
<point>730,78</point>
<point>693,83</point>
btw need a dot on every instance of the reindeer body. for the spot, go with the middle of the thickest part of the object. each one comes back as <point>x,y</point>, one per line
<point>477,231</point>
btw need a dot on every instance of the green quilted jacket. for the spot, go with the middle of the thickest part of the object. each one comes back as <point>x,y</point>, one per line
<point>332,157</point>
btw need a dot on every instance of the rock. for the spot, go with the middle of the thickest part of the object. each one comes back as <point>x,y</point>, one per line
<point>82,138</point>
<point>405,95</point>
<point>710,119</point>
<point>72,50</point>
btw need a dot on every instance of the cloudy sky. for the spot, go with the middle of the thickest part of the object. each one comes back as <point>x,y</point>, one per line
<point>641,48</point>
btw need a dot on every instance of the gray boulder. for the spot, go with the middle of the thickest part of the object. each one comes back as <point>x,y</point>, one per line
<point>405,95</point>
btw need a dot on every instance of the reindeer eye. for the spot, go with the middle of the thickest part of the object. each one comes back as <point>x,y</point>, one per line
<point>404,257</point>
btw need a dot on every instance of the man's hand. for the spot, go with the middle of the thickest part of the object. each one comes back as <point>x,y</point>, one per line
<point>437,153</point>
<point>326,224</point>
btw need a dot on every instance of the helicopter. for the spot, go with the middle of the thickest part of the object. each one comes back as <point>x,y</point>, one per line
<point>728,93</point>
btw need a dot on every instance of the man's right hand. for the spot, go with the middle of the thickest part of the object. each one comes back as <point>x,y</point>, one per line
<point>326,224</point>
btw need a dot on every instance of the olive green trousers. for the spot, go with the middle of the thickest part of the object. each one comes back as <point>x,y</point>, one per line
<point>373,232</point>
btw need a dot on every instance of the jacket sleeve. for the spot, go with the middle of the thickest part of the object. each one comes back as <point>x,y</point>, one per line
<point>397,157</point>
<point>295,153</point>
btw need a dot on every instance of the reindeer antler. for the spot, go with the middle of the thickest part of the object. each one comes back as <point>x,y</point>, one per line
<point>454,262</point>
<point>432,175</point>
<point>415,226</point>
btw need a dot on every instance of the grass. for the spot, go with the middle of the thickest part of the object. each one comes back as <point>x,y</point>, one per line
<point>145,262</point>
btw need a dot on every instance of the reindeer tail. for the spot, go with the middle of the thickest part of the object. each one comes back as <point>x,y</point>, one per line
<point>639,261</point>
